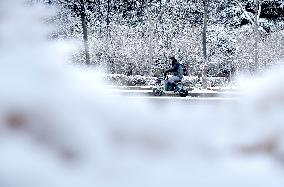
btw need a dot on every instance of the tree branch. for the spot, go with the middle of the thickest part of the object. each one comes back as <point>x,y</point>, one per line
<point>258,14</point>
<point>245,12</point>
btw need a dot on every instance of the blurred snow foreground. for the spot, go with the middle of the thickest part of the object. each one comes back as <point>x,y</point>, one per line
<point>60,129</point>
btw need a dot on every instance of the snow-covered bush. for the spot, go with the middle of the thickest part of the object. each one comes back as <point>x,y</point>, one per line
<point>190,81</point>
<point>116,79</point>
<point>218,81</point>
<point>137,80</point>
<point>123,80</point>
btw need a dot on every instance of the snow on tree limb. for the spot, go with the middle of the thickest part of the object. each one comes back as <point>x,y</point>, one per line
<point>245,12</point>
<point>259,11</point>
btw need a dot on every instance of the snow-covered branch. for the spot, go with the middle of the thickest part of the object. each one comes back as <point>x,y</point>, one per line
<point>245,12</point>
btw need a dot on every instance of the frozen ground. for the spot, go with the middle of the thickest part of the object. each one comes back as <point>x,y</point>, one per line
<point>59,129</point>
<point>143,91</point>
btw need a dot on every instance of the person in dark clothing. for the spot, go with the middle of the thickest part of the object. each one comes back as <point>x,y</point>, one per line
<point>176,69</point>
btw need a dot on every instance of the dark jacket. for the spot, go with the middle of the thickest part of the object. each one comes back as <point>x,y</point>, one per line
<point>177,70</point>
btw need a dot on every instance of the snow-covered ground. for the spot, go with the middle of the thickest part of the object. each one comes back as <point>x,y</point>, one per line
<point>60,129</point>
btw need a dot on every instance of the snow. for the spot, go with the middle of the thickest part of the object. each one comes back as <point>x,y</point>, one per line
<point>60,129</point>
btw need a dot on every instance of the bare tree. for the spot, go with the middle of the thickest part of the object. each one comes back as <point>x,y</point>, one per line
<point>85,31</point>
<point>107,18</point>
<point>255,23</point>
<point>79,9</point>
<point>150,38</point>
<point>108,35</point>
<point>205,19</point>
<point>205,57</point>
<point>256,35</point>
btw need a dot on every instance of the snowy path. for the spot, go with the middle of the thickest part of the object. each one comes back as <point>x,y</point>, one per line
<point>186,99</point>
<point>144,91</point>
<point>149,93</point>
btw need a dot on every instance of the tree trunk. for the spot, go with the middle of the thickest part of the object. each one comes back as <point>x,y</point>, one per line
<point>205,17</point>
<point>108,36</point>
<point>255,66</point>
<point>159,21</point>
<point>107,20</point>
<point>150,38</point>
<point>85,32</point>
<point>205,57</point>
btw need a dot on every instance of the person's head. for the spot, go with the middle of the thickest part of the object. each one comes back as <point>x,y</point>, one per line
<point>173,60</point>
